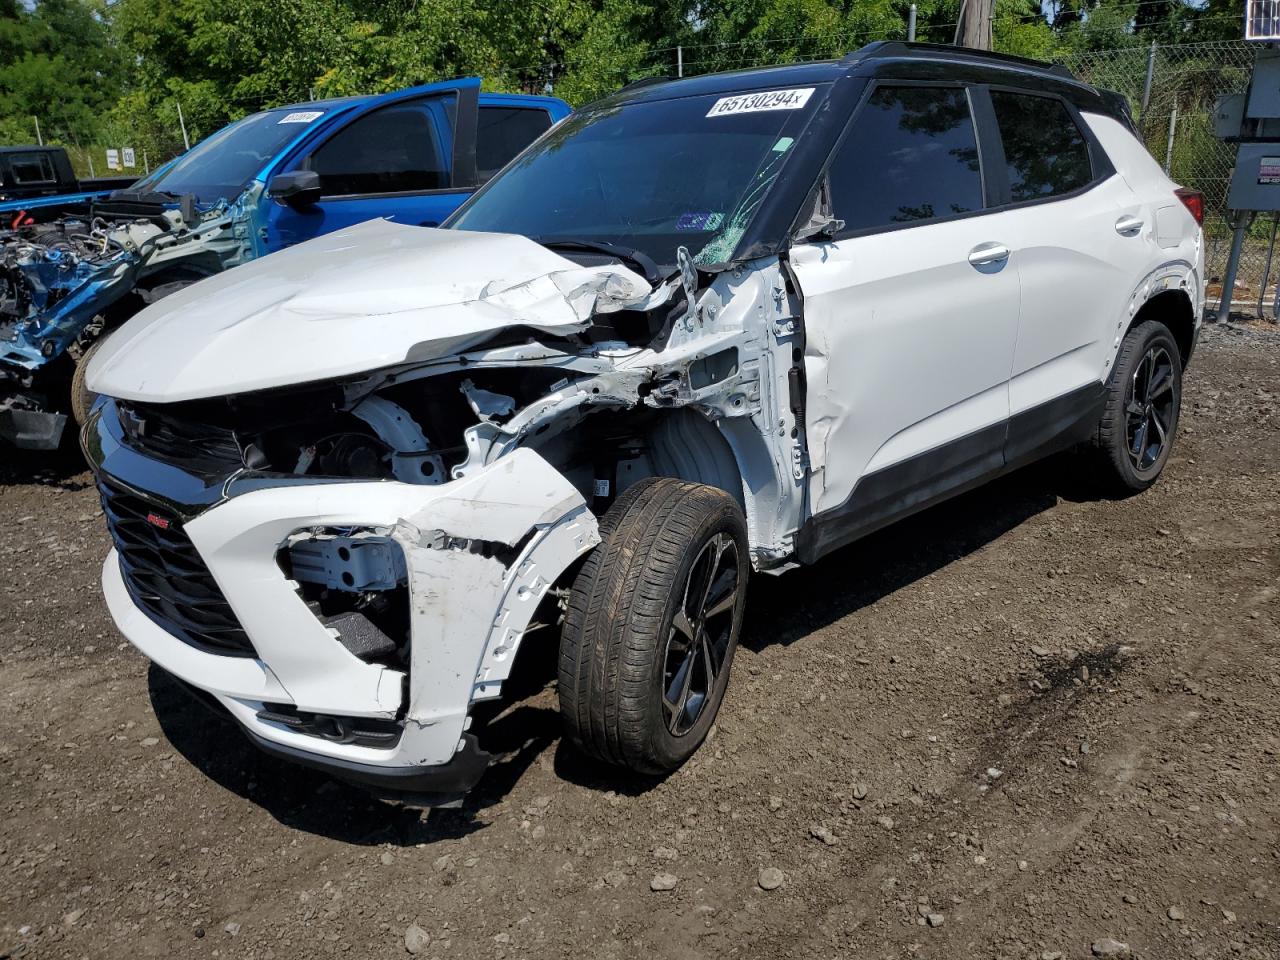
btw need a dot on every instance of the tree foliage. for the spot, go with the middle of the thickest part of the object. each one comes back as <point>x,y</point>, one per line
<point>116,72</point>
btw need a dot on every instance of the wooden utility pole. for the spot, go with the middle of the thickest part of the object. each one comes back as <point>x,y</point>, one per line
<point>974,28</point>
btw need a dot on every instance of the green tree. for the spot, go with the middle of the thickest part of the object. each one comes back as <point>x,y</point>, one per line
<point>57,63</point>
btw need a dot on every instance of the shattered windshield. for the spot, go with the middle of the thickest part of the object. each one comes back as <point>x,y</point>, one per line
<point>221,166</point>
<point>650,176</point>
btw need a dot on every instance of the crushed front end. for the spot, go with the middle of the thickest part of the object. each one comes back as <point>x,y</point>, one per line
<point>346,621</point>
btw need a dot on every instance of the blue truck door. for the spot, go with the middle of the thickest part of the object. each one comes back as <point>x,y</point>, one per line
<point>409,158</point>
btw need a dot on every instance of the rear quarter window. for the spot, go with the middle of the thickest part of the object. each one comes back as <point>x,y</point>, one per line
<point>505,131</point>
<point>1045,153</point>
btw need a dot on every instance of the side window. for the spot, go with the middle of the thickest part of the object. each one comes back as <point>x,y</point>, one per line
<point>911,155</point>
<point>398,149</point>
<point>1043,148</point>
<point>504,132</point>
<point>28,168</point>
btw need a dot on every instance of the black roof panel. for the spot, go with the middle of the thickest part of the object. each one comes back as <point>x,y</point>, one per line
<point>875,59</point>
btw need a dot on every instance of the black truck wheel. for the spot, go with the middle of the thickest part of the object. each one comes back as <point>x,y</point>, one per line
<point>652,625</point>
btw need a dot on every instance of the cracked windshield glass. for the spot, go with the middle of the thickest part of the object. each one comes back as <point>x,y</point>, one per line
<point>637,176</point>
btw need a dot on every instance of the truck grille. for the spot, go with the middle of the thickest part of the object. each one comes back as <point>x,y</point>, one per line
<point>166,576</point>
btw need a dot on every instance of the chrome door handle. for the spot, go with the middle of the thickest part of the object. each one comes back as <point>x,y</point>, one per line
<point>1128,225</point>
<point>988,253</point>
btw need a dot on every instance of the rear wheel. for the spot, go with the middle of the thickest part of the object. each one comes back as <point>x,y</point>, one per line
<point>652,625</point>
<point>1135,435</point>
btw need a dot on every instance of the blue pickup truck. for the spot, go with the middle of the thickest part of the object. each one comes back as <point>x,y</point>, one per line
<point>273,179</point>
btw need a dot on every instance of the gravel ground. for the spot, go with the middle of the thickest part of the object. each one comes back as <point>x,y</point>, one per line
<point>1027,724</point>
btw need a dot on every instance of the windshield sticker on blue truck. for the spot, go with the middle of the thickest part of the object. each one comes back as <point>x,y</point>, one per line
<point>301,116</point>
<point>759,102</point>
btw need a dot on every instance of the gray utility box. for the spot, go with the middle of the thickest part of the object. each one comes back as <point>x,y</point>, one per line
<point>1255,182</point>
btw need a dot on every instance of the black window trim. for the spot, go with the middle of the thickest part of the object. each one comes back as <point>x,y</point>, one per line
<point>980,136</point>
<point>1100,166</point>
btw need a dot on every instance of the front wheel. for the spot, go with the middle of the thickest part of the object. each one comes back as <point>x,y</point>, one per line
<point>1144,397</point>
<point>652,625</point>
<point>82,397</point>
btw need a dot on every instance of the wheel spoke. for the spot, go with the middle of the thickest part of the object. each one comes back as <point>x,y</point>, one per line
<point>1155,418</point>
<point>1162,385</point>
<point>1148,369</point>
<point>680,685</point>
<point>709,662</point>
<point>1139,442</point>
<point>682,624</point>
<point>723,593</point>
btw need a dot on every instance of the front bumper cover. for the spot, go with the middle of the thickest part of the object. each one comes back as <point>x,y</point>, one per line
<point>469,603</point>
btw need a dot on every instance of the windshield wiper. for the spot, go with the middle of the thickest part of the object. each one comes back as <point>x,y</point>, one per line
<point>641,259</point>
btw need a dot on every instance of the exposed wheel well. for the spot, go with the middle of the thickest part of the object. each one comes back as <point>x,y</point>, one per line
<point>1172,308</point>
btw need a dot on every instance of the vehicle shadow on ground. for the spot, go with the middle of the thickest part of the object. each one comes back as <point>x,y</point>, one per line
<point>309,800</point>
<point>783,609</point>
<point>520,729</point>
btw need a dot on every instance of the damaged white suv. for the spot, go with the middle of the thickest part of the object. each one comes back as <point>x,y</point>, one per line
<point>700,328</point>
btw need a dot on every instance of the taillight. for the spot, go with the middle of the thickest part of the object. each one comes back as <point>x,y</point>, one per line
<point>1193,200</point>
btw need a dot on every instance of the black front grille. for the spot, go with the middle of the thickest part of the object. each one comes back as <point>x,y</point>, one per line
<point>166,577</point>
<point>200,447</point>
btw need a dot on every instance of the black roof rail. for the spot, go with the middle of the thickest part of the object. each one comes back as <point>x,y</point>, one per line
<point>644,82</point>
<point>901,48</point>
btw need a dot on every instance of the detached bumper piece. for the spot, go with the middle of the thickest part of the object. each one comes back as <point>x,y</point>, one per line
<point>32,429</point>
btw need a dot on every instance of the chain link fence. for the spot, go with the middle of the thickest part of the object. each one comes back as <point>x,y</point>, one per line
<point>1173,90</point>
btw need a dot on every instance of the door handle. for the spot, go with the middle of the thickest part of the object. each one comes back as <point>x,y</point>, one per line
<point>987,253</point>
<point>1128,225</point>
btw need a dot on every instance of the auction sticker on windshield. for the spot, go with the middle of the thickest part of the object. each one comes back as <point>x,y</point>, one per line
<point>764,100</point>
<point>301,116</point>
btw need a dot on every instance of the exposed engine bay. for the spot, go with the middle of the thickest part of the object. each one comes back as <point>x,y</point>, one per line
<point>64,283</point>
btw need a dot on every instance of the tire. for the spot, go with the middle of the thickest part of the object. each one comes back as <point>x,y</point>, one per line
<point>1140,418</point>
<point>633,609</point>
<point>81,396</point>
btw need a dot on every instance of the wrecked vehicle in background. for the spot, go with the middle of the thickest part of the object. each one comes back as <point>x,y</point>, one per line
<point>259,185</point>
<point>701,328</point>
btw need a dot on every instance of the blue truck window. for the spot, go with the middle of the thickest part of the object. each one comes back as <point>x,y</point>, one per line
<point>398,149</point>
<point>505,131</point>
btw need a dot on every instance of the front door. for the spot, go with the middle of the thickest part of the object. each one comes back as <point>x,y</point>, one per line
<point>398,161</point>
<point>911,317</point>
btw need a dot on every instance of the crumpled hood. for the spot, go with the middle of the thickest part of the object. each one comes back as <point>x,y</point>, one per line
<point>371,296</point>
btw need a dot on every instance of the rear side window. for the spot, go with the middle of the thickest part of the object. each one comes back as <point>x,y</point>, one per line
<point>397,149</point>
<point>1043,148</point>
<point>910,155</point>
<point>503,132</point>
<point>28,168</point>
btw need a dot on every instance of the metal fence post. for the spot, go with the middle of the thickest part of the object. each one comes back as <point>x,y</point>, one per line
<point>679,61</point>
<point>1266,268</point>
<point>1151,73</point>
<point>911,24</point>
<point>1168,150</point>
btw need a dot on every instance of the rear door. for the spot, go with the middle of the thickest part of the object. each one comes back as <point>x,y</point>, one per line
<point>910,317</point>
<point>1078,231</point>
<point>410,158</point>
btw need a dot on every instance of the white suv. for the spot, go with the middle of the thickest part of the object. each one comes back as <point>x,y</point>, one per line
<point>700,328</point>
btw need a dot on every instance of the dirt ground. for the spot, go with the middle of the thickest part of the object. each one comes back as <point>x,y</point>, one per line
<point>1019,725</point>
